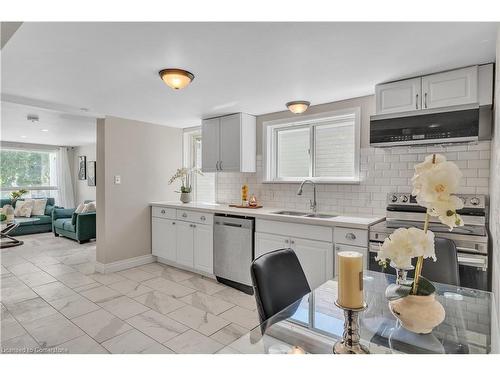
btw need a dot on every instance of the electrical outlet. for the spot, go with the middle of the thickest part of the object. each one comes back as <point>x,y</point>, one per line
<point>118,179</point>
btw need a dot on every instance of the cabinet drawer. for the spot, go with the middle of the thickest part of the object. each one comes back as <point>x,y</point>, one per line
<point>284,228</point>
<point>349,236</point>
<point>195,216</point>
<point>166,213</point>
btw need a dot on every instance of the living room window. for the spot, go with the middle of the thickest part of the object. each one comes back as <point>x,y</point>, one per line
<point>204,186</point>
<point>33,170</point>
<point>323,148</point>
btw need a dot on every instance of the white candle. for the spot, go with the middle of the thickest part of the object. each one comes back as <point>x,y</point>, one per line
<point>350,281</point>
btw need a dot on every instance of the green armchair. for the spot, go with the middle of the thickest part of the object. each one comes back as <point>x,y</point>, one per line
<point>79,227</point>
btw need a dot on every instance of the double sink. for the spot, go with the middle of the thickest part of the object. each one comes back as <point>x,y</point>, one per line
<point>304,214</point>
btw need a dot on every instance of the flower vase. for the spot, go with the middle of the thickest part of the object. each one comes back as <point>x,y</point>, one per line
<point>401,273</point>
<point>185,197</point>
<point>8,211</point>
<point>418,314</point>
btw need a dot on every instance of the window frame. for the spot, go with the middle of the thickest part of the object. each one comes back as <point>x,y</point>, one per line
<point>188,157</point>
<point>29,148</point>
<point>270,146</point>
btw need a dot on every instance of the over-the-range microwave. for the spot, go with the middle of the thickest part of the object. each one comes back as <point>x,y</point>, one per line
<point>459,124</point>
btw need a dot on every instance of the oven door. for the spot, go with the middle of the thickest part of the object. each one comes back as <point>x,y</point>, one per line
<point>473,270</point>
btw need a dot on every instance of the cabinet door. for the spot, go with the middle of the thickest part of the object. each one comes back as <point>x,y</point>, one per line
<point>400,96</point>
<point>230,133</point>
<point>203,248</point>
<point>456,87</point>
<point>265,243</point>
<point>210,145</point>
<point>163,238</point>
<point>362,250</point>
<point>316,259</point>
<point>184,243</point>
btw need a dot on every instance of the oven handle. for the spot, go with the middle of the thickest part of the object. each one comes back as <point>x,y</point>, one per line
<point>473,262</point>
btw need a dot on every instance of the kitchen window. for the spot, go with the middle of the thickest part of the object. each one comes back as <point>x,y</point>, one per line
<point>324,148</point>
<point>203,185</point>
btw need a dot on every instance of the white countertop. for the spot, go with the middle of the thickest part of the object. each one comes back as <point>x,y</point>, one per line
<point>340,220</point>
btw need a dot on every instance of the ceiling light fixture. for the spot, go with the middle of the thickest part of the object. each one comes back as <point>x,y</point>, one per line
<point>298,106</point>
<point>176,78</point>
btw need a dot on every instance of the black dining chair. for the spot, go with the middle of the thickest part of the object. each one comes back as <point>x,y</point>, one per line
<point>278,281</point>
<point>445,269</point>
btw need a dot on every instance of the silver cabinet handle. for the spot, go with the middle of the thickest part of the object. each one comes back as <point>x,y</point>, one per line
<point>203,218</point>
<point>337,248</point>
<point>184,215</point>
<point>350,236</point>
<point>162,211</point>
<point>192,225</point>
<point>286,241</point>
<point>220,165</point>
<point>173,222</point>
<point>292,242</point>
<point>425,100</point>
<point>416,101</point>
<point>217,166</point>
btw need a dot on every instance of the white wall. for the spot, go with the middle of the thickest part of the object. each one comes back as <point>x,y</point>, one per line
<point>381,171</point>
<point>495,187</point>
<point>82,190</point>
<point>145,156</point>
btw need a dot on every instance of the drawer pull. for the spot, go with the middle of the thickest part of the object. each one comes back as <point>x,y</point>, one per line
<point>292,242</point>
<point>286,241</point>
<point>162,211</point>
<point>350,236</point>
<point>184,215</point>
<point>173,222</point>
<point>203,218</point>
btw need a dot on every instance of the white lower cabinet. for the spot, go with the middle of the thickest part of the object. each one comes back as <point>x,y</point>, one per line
<point>203,248</point>
<point>315,257</point>
<point>163,240</point>
<point>184,243</point>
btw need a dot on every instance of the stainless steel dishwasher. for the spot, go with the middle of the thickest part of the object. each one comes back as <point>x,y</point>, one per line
<point>233,251</point>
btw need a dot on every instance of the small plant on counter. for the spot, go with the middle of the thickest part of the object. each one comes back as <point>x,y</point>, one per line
<point>185,175</point>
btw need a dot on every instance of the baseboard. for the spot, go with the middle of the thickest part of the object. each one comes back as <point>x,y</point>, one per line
<point>183,267</point>
<point>124,264</point>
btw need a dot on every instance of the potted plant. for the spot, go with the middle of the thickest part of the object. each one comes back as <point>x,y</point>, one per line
<point>185,175</point>
<point>413,303</point>
<point>15,195</point>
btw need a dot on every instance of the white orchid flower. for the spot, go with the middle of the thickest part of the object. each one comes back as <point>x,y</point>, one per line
<point>404,244</point>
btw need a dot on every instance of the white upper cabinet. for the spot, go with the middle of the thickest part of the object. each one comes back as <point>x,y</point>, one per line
<point>210,145</point>
<point>400,96</point>
<point>229,143</point>
<point>455,87</point>
<point>451,88</point>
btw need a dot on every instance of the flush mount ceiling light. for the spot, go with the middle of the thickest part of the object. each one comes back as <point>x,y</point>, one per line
<point>298,106</point>
<point>176,78</point>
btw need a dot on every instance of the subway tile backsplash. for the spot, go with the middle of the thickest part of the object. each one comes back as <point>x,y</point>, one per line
<point>382,170</point>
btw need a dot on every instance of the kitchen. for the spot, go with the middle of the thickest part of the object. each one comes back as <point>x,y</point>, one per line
<point>329,215</point>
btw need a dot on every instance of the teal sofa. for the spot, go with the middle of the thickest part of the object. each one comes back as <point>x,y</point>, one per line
<point>78,227</point>
<point>44,224</point>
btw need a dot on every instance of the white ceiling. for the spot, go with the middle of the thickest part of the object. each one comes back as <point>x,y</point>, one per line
<point>59,128</point>
<point>112,68</point>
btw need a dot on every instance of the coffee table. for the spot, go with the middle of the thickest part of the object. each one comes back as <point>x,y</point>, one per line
<point>8,241</point>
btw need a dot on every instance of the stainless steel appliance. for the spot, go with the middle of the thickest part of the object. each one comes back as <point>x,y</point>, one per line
<point>471,239</point>
<point>234,251</point>
<point>466,123</point>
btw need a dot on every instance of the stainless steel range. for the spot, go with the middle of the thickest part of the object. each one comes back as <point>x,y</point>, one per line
<point>471,240</point>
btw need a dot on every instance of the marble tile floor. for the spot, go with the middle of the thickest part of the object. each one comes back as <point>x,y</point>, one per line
<point>53,301</point>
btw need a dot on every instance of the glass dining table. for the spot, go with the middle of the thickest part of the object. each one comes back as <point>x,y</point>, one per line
<point>313,324</point>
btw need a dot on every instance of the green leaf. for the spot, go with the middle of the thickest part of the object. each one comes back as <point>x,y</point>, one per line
<point>394,291</point>
<point>425,287</point>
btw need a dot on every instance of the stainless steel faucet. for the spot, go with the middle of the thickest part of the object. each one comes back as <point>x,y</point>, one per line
<point>313,203</point>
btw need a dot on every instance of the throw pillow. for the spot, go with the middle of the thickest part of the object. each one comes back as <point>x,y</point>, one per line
<point>39,206</point>
<point>23,208</point>
<point>80,208</point>
<point>89,207</point>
